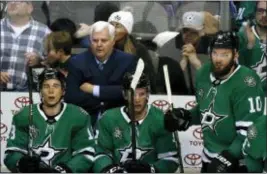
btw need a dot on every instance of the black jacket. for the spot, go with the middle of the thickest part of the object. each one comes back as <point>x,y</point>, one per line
<point>177,79</point>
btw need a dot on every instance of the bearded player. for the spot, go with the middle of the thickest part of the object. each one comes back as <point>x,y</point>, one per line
<point>63,140</point>
<point>230,98</point>
<point>255,147</point>
<point>155,147</point>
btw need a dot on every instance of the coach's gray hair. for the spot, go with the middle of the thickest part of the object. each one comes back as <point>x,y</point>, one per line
<point>101,25</point>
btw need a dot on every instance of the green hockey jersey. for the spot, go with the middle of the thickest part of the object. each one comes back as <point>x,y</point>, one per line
<point>254,58</point>
<point>255,147</point>
<point>226,109</point>
<point>68,140</point>
<point>154,144</point>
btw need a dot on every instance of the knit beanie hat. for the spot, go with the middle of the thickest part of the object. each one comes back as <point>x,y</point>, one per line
<point>125,18</point>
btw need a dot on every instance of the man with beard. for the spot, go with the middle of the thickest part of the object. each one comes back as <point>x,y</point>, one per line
<point>53,152</point>
<point>230,98</point>
<point>253,44</point>
<point>155,147</point>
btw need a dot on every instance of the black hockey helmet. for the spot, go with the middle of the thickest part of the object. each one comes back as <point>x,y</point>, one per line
<point>222,39</point>
<point>142,83</point>
<point>51,73</point>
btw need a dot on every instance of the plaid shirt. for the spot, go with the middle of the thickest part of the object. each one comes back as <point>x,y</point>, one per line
<point>13,49</point>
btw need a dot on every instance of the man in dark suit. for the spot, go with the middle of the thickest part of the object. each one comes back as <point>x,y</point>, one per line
<point>95,76</point>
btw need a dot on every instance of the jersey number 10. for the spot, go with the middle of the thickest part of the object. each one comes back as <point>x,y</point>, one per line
<point>255,104</point>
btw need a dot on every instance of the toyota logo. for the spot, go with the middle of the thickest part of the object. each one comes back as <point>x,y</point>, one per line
<point>192,159</point>
<point>22,102</point>
<point>3,128</point>
<point>162,104</point>
<point>197,133</point>
<point>190,104</point>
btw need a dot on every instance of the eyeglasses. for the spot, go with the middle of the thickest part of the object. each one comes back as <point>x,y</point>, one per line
<point>261,10</point>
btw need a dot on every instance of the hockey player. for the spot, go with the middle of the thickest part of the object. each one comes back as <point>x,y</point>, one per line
<point>230,98</point>
<point>155,147</point>
<point>62,140</point>
<point>255,147</point>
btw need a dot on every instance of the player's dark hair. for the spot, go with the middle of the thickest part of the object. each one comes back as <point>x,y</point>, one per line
<point>51,73</point>
<point>142,83</point>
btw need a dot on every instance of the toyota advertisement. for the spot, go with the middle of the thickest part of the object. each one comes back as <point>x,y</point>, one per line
<point>191,140</point>
<point>11,103</point>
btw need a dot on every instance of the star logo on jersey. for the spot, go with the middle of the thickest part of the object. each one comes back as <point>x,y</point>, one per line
<point>210,119</point>
<point>117,133</point>
<point>33,132</point>
<point>261,67</point>
<point>252,132</point>
<point>250,81</point>
<point>47,152</point>
<point>126,153</point>
<point>200,93</point>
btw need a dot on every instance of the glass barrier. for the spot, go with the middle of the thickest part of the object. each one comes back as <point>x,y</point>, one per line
<point>150,19</point>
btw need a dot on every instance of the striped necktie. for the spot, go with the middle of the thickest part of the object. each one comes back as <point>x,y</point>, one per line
<point>100,66</point>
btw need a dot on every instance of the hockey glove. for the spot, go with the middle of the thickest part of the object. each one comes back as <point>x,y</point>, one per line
<point>177,119</point>
<point>138,167</point>
<point>60,168</point>
<point>28,164</point>
<point>113,168</point>
<point>223,163</point>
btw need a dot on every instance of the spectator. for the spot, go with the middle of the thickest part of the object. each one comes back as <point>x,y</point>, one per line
<point>102,13</point>
<point>65,24</point>
<point>123,23</point>
<point>94,79</point>
<point>21,45</point>
<point>252,47</point>
<point>245,11</point>
<point>193,40</point>
<point>177,79</point>
<point>58,46</point>
<point>104,10</point>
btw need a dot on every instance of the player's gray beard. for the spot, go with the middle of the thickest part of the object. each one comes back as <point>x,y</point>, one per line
<point>225,71</point>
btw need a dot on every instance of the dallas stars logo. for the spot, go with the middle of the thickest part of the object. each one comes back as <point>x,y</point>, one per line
<point>261,67</point>
<point>126,153</point>
<point>210,119</point>
<point>117,17</point>
<point>47,152</point>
